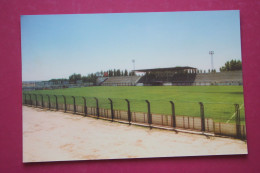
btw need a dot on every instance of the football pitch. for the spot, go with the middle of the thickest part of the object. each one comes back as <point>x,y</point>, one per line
<point>218,101</point>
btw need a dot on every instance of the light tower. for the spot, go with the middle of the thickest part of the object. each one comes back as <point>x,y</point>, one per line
<point>212,64</point>
<point>133,61</point>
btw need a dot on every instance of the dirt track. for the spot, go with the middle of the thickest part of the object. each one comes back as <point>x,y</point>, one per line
<point>54,136</point>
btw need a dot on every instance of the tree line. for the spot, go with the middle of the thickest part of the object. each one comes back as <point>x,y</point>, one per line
<point>116,72</point>
<point>92,77</point>
<point>232,65</point>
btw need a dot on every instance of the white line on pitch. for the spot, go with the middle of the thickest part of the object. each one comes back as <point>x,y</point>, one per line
<point>234,113</point>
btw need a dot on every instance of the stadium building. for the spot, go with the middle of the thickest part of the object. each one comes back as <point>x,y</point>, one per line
<point>168,76</point>
<point>176,76</point>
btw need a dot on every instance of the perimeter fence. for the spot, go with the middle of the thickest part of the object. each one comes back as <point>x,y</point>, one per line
<point>214,118</point>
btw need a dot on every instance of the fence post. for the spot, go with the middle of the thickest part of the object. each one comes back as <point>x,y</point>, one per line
<point>25,101</point>
<point>56,99</point>
<point>202,117</point>
<point>74,104</point>
<point>30,99</point>
<point>238,127</point>
<point>42,101</point>
<point>97,107</point>
<point>35,100</point>
<point>85,106</point>
<point>112,110</point>
<point>128,111</point>
<point>65,103</point>
<point>149,114</point>
<point>49,101</point>
<point>173,115</point>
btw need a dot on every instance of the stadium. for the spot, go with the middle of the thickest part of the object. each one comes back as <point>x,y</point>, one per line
<point>175,76</point>
<point>179,108</point>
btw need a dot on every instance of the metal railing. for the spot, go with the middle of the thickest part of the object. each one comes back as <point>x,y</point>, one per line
<point>154,114</point>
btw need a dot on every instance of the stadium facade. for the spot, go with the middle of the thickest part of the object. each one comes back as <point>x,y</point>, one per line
<point>176,76</point>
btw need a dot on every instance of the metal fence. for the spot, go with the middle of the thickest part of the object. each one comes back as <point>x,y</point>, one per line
<point>212,118</point>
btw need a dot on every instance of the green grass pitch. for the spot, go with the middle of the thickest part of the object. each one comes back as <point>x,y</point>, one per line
<point>218,100</point>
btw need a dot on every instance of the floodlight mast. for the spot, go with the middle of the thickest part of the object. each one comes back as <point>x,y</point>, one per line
<point>133,61</point>
<point>212,63</point>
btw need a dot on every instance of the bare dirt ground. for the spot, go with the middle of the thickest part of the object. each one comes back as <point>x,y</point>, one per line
<point>56,136</point>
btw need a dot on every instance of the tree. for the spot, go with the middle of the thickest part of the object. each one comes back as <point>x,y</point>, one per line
<point>74,77</point>
<point>92,78</point>
<point>126,73</point>
<point>232,65</point>
<point>110,73</point>
<point>84,79</point>
<point>114,72</point>
<point>118,73</point>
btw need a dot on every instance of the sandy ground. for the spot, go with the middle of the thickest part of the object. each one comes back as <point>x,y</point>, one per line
<point>56,136</point>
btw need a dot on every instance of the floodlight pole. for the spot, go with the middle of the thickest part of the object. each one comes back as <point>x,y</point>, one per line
<point>212,64</point>
<point>133,61</point>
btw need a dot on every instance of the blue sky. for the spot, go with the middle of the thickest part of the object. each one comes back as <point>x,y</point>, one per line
<point>56,46</point>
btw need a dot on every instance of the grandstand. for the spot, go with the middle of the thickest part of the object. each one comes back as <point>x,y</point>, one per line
<point>176,76</point>
<point>121,81</point>
<point>219,78</point>
<point>168,76</point>
<point>101,80</point>
<point>188,76</point>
